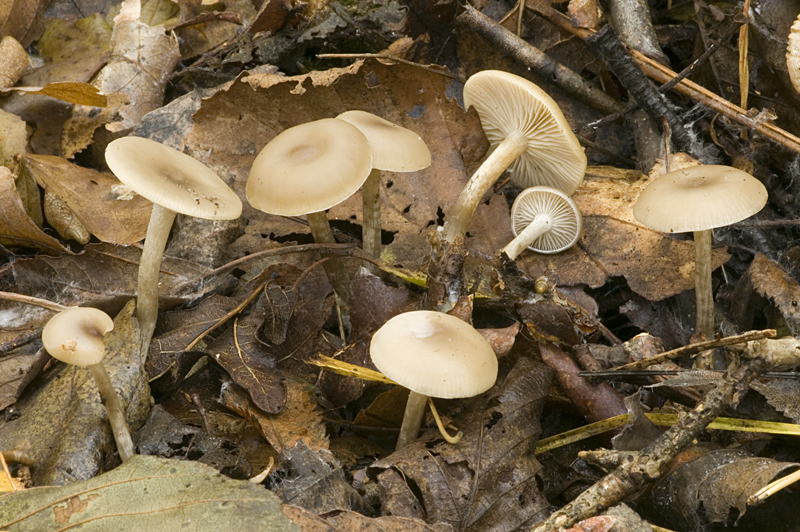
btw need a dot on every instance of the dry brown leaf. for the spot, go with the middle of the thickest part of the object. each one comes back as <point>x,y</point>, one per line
<point>355,522</point>
<point>16,227</point>
<point>97,200</point>
<point>67,91</point>
<point>14,61</point>
<point>18,18</point>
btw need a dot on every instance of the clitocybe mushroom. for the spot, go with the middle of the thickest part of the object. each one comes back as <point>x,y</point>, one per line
<point>175,183</point>
<point>545,220</point>
<point>699,199</point>
<point>394,149</point>
<point>433,355</point>
<point>530,135</point>
<point>307,169</point>
<point>75,336</point>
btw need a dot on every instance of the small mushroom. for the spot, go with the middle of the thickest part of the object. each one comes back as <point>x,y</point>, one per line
<point>544,220</point>
<point>531,138</point>
<point>175,183</point>
<point>699,199</point>
<point>75,336</point>
<point>394,149</point>
<point>433,355</point>
<point>306,170</point>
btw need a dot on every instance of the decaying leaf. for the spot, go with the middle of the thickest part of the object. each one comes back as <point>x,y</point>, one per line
<point>766,281</point>
<point>148,492</point>
<point>499,430</point>
<point>97,200</point>
<point>356,522</point>
<point>68,91</point>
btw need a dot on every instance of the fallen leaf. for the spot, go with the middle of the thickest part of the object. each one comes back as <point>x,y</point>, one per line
<point>96,199</point>
<point>68,91</point>
<point>16,227</point>
<point>765,278</point>
<point>146,493</point>
<point>356,522</point>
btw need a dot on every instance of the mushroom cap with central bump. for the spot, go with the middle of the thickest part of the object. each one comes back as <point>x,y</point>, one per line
<point>434,354</point>
<point>172,179</point>
<point>699,198</point>
<point>394,148</point>
<point>309,168</point>
<point>75,335</point>
<point>509,104</point>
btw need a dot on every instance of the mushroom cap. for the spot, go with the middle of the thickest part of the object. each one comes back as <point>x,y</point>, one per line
<point>434,354</point>
<point>172,179</point>
<point>309,168</point>
<point>507,104</point>
<point>699,198</point>
<point>75,335</point>
<point>563,214</point>
<point>394,148</point>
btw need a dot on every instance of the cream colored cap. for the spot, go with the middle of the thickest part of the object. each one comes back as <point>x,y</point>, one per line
<point>394,148</point>
<point>434,354</point>
<point>507,104</point>
<point>699,198</point>
<point>560,210</point>
<point>309,168</point>
<point>172,179</point>
<point>75,335</point>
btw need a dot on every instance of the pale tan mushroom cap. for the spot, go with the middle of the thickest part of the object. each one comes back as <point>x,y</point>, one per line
<point>172,179</point>
<point>564,216</point>
<point>75,335</point>
<point>434,354</point>
<point>394,148</point>
<point>309,168</point>
<point>699,198</point>
<point>506,104</point>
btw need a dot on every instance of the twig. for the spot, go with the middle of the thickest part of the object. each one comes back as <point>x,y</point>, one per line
<point>35,301</point>
<point>537,60</point>
<point>693,349</point>
<point>436,69</point>
<point>332,249</point>
<point>653,459</point>
<point>692,90</point>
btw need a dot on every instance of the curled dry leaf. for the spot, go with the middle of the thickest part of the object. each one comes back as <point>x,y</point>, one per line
<point>13,61</point>
<point>16,227</point>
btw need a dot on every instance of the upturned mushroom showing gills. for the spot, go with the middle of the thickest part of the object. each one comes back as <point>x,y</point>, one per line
<point>544,220</point>
<point>394,149</point>
<point>699,199</point>
<point>530,137</point>
<point>306,170</point>
<point>433,355</point>
<point>75,336</point>
<point>175,183</point>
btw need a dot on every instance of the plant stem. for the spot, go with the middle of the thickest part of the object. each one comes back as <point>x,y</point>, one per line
<point>119,426</point>
<point>371,227</point>
<point>149,266</point>
<point>334,268</point>
<point>501,158</point>
<point>412,419</point>
<point>539,226</point>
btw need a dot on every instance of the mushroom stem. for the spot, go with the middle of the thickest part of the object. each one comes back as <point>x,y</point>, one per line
<point>539,226</point>
<point>119,425</point>
<point>449,439</point>
<point>149,266</point>
<point>702,283</point>
<point>334,268</point>
<point>501,158</point>
<point>412,419</point>
<point>371,235</point>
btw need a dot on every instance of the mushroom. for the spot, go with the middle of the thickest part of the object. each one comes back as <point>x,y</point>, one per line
<point>175,183</point>
<point>433,355</point>
<point>395,149</point>
<point>545,220</point>
<point>530,135</point>
<point>699,199</point>
<point>75,336</point>
<point>307,169</point>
